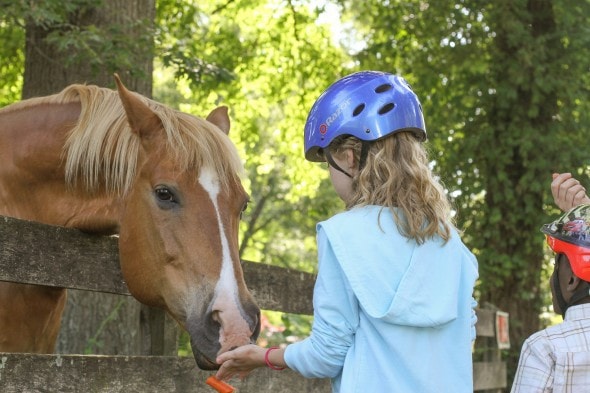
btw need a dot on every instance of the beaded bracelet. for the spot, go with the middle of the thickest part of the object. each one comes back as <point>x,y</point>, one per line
<point>267,361</point>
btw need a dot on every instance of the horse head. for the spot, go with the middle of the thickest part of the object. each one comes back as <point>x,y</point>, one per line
<point>179,227</point>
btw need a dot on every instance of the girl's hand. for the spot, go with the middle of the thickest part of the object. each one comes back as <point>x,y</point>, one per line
<point>567,191</point>
<point>240,361</point>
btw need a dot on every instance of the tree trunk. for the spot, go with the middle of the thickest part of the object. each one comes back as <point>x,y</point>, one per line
<point>48,69</point>
<point>96,322</point>
<point>512,268</point>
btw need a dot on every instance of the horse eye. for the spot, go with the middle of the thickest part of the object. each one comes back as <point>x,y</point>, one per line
<point>244,209</point>
<point>165,195</point>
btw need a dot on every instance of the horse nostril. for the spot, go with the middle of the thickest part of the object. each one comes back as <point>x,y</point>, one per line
<point>234,347</point>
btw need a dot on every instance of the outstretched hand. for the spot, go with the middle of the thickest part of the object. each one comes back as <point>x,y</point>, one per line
<point>240,361</point>
<point>567,191</point>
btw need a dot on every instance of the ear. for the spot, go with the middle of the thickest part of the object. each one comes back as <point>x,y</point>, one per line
<point>220,118</point>
<point>142,120</point>
<point>573,283</point>
<point>352,166</point>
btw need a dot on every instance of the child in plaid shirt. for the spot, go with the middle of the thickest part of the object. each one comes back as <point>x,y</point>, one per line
<point>557,359</point>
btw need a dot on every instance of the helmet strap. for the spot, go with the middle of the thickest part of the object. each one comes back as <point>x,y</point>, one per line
<point>563,305</point>
<point>580,293</point>
<point>362,159</point>
<point>333,163</point>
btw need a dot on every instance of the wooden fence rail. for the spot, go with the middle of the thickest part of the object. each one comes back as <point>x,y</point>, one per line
<point>55,256</point>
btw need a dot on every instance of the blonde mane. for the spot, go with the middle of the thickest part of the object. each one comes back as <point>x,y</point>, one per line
<point>101,149</point>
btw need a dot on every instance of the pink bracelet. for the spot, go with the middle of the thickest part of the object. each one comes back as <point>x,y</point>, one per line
<point>268,363</point>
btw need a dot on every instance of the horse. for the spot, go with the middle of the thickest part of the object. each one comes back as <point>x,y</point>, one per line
<point>168,183</point>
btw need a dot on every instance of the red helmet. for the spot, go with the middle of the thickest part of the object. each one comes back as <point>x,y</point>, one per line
<point>570,235</point>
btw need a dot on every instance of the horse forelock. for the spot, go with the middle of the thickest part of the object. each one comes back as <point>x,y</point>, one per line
<point>195,142</point>
<point>101,150</point>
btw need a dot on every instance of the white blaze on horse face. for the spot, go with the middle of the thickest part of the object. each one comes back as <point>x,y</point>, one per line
<point>235,330</point>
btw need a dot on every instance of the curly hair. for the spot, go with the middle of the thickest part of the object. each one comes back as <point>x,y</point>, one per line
<point>396,175</point>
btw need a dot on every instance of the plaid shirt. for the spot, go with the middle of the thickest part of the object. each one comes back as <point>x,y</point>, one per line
<point>557,359</point>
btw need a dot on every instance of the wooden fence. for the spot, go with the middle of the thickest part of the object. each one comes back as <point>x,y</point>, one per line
<point>40,254</point>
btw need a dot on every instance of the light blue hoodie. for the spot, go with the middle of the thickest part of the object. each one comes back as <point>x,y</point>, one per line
<point>389,315</point>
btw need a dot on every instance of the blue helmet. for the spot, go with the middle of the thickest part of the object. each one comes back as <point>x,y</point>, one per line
<point>368,105</point>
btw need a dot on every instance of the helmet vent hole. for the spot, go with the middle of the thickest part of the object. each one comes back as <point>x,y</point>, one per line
<point>383,88</point>
<point>357,111</point>
<point>386,108</point>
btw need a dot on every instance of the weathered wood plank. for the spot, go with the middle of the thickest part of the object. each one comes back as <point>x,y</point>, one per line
<point>489,375</point>
<point>31,252</point>
<point>36,253</point>
<point>486,323</point>
<point>112,374</point>
<point>147,374</point>
<point>280,289</point>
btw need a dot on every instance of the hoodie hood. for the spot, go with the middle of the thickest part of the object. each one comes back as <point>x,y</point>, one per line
<point>395,279</point>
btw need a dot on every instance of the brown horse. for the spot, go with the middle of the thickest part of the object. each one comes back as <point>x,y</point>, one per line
<point>167,182</point>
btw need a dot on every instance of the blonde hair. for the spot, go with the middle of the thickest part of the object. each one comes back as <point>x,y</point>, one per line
<point>396,175</point>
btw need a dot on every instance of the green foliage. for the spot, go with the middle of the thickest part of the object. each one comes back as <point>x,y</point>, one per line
<point>95,341</point>
<point>274,67</point>
<point>501,104</point>
<point>46,14</point>
<point>181,28</point>
<point>75,39</point>
<point>101,48</point>
<point>278,329</point>
<point>268,71</point>
<point>12,60</point>
<point>503,85</point>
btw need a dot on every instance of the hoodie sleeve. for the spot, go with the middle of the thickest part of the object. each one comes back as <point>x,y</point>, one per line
<point>336,319</point>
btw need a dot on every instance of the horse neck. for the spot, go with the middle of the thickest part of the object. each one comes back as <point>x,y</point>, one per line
<point>32,179</point>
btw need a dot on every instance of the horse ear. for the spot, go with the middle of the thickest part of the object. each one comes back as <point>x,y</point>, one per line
<point>220,118</point>
<point>141,118</point>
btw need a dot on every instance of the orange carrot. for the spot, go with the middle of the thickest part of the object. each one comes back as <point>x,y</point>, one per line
<point>219,385</point>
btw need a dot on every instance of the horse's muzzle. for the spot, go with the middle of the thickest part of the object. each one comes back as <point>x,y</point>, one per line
<point>203,361</point>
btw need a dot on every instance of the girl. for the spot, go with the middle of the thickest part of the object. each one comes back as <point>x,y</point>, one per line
<point>393,305</point>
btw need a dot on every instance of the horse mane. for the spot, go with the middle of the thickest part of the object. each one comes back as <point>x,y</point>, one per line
<point>102,146</point>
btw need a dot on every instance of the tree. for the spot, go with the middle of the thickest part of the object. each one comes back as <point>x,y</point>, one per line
<point>12,58</point>
<point>503,110</point>
<point>268,71</point>
<point>503,85</point>
<point>202,48</point>
<point>85,42</point>
<point>530,119</point>
<point>268,62</point>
